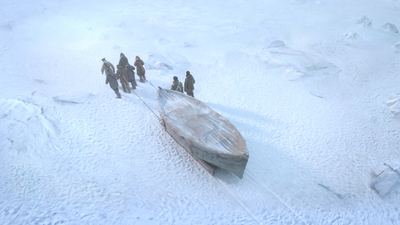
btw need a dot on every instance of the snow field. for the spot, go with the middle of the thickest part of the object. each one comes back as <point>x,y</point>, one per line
<point>305,82</point>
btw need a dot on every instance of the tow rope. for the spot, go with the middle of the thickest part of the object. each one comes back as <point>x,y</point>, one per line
<point>146,104</point>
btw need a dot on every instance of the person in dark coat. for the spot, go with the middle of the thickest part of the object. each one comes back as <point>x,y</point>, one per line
<point>111,79</point>
<point>123,61</point>
<point>176,85</point>
<point>189,84</point>
<point>131,75</point>
<point>122,76</point>
<point>107,65</point>
<point>140,69</point>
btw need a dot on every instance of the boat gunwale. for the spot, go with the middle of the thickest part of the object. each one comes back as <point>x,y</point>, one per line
<point>242,151</point>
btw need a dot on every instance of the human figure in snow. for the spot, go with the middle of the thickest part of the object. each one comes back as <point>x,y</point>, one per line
<point>189,84</point>
<point>111,78</point>
<point>123,61</point>
<point>122,75</point>
<point>140,69</point>
<point>176,85</point>
<point>106,64</point>
<point>131,75</point>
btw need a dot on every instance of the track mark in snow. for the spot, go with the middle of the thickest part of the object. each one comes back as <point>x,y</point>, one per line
<point>316,95</point>
<point>237,200</point>
<point>230,191</point>
<point>327,188</point>
<point>39,81</point>
<point>219,182</point>
<point>275,195</point>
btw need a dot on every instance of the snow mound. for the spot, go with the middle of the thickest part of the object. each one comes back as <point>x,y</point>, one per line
<point>386,180</point>
<point>180,63</point>
<point>25,128</point>
<point>74,97</point>
<point>299,64</point>
<point>188,45</point>
<point>172,61</point>
<point>276,44</point>
<point>158,62</point>
<point>9,25</point>
<point>365,21</point>
<point>390,27</point>
<point>320,66</point>
<point>393,103</point>
<point>40,81</point>
<point>351,35</point>
<point>397,45</point>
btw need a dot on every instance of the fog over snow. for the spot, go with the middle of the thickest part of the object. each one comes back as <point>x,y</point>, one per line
<point>312,86</point>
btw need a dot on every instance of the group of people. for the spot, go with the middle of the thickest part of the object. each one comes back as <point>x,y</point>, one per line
<point>188,85</point>
<point>125,73</point>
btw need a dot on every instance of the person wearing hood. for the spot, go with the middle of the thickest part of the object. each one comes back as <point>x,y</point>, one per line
<point>189,84</point>
<point>176,85</point>
<point>131,75</point>
<point>122,76</point>
<point>123,61</point>
<point>140,69</point>
<point>111,78</point>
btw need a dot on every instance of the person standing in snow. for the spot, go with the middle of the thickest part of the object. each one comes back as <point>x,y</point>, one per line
<point>123,61</point>
<point>106,64</point>
<point>176,85</point>
<point>140,69</point>
<point>128,71</point>
<point>189,84</point>
<point>131,75</point>
<point>111,78</point>
<point>122,76</point>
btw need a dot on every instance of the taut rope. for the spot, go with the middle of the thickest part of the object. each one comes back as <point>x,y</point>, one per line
<point>146,104</point>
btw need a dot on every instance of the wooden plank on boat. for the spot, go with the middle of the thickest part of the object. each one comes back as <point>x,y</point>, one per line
<point>208,137</point>
<point>206,166</point>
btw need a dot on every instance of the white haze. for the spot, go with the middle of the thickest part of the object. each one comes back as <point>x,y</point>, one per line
<point>305,82</point>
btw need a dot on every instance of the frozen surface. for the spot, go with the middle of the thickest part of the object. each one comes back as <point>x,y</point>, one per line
<point>306,83</point>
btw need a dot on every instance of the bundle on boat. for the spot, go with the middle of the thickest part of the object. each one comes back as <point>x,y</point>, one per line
<point>211,139</point>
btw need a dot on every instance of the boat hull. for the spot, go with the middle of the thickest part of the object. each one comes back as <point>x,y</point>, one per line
<point>202,132</point>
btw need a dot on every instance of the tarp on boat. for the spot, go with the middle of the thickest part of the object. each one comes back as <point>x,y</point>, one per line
<point>203,131</point>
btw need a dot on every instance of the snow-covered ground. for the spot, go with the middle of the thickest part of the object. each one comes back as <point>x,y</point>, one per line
<point>305,82</point>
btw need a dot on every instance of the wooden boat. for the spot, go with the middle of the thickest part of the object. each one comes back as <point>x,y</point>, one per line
<point>211,139</point>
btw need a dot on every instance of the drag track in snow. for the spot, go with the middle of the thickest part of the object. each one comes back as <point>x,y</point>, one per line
<point>226,180</point>
<point>229,182</point>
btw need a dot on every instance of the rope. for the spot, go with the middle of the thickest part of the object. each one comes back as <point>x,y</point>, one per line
<point>146,105</point>
<point>152,85</point>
